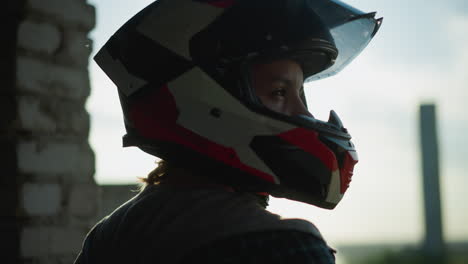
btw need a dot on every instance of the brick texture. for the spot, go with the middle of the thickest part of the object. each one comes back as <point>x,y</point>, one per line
<point>52,115</point>
<point>39,37</point>
<point>53,157</point>
<point>46,129</point>
<point>41,199</point>
<point>39,77</point>
<point>35,241</point>
<point>32,117</point>
<point>46,241</point>
<point>75,12</point>
<point>76,48</point>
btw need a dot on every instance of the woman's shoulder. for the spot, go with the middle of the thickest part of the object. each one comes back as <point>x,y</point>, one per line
<point>274,246</point>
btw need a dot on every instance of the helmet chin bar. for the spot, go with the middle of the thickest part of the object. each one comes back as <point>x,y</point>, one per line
<point>333,127</point>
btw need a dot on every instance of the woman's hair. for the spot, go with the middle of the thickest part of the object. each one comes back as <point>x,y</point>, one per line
<point>156,175</point>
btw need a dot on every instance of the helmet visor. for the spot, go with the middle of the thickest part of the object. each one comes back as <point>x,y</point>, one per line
<point>351,30</point>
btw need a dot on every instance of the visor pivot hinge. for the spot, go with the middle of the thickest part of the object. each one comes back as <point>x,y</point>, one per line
<point>216,112</point>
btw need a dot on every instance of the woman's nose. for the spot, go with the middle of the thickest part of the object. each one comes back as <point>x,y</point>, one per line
<point>298,107</point>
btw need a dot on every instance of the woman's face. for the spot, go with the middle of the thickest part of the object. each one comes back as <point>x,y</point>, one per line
<point>279,86</point>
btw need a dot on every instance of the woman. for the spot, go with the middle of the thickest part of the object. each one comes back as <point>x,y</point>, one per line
<point>215,89</point>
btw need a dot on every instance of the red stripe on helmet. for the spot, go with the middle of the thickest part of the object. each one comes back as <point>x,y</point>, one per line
<point>308,141</point>
<point>155,115</point>
<point>346,172</point>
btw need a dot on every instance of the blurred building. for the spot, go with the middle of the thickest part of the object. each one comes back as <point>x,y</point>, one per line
<point>434,240</point>
<point>49,196</point>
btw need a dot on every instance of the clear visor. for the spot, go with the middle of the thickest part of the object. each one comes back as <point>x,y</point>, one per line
<point>350,28</point>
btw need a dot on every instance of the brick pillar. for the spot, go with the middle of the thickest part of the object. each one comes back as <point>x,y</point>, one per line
<point>50,166</point>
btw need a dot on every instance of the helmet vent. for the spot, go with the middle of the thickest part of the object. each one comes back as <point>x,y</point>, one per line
<point>216,112</point>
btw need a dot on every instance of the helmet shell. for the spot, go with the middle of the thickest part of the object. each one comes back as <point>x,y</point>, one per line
<point>178,65</point>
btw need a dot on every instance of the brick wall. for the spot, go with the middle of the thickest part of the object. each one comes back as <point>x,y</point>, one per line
<point>49,197</point>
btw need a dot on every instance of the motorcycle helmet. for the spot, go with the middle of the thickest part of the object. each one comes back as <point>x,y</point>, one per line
<point>182,69</point>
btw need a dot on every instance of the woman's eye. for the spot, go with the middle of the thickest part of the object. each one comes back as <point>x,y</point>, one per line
<point>279,92</point>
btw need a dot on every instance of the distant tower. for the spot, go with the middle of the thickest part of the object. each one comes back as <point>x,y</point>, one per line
<point>433,243</point>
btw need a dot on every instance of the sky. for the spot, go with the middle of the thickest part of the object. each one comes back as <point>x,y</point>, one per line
<point>420,55</point>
